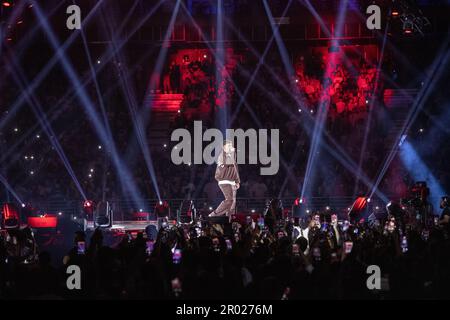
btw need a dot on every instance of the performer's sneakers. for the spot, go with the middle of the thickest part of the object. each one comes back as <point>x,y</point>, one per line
<point>214,214</point>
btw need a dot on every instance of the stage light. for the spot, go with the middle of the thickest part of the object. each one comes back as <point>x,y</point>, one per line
<point>253,210</point>
<point>31,172</point>
<point>210,208</point>
<point>98,62</point>
<point>162,209</point>
<point>377,208</point>
<point>88,204</point>
<point>205,56</point>
<point>92,170</point>
<point>368,200</point>
<point>103,215</point>
<point>165,145</point>
<point>60,213</point>
<point>90,175</point>
<point>74,217</point>
<point>299,110</point>
<point>367,101</point>
<point>408,27</point>
<point>38,136</point>
<point>88,208</point>
<point>23,205</point>
<point>16,130</point>
<point>395,12</point>
<point>296,80</point>
<point>10,216</point>
<point>7,4</point>
<point>99,147</point>
<point>420,130</point>
<point>140,210</point>
<point>408,31</point>
<point>327,208</point>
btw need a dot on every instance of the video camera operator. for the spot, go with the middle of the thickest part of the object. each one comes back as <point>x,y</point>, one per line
<point>445,215</point>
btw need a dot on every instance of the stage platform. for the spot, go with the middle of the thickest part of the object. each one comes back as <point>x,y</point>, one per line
<point>141,225</point>
<point>125,225</point>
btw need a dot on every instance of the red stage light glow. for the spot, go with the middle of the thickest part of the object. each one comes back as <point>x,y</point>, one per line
<point>7,4</point>
<point>360,203</point>
<point>11,217</point>
<point>357,208</point>
<point>87,204</point>
<point>44,221</point>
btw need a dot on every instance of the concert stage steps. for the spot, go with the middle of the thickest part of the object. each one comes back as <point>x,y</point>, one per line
<point>399,98</point>
<point>165,107</point>
<point>399,102</point>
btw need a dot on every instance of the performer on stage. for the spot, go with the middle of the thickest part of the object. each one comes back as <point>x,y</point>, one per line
<point>227,175</point>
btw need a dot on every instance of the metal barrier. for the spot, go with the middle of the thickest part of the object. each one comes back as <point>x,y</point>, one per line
<point>122,208</point>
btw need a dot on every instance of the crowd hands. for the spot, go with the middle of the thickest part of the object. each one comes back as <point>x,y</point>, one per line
<point>271,257</point>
